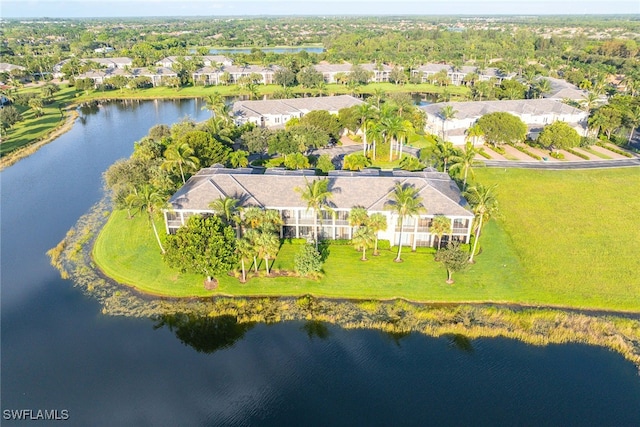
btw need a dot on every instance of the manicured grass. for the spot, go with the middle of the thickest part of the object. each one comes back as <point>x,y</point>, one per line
<point>564,238</point>
<point>575,232</point>
<point>34,128</point>
<point>126,251</point>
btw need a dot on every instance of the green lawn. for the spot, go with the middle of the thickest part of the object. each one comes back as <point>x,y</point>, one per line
<point>34,128</point>
<point>564,239</point>
<point>575,232</point>
<point>126,250</point>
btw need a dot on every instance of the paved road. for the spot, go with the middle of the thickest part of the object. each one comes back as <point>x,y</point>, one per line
<point>590,164</point>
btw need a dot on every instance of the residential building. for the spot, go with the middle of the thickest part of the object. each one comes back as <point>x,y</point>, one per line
<point>157,75</point>
<point>120,62</point>
<point>7,68</point>
<point>214,75</point>
<point>330,72</point>
<point>276,112</point>
<point>562,89</point>
<point>457,74</point>
<point>207,60</point>
<point>535,113</point>
<point>371,189</point>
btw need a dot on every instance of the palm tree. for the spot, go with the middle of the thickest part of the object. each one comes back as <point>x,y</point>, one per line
<point>473,133</point>
<point>227,208</point>
<point>447,112</point>
<point>317,194</point>
<point>239,159</point>
<point>251,236</point>
<point>392,126</point>
<point>151,201</point>
<point>405,202</point>
<point>244,249</point>
<point>358,216</point>
<point>440,225</point>
<point>378,95</point>
<point>375,133</point>
<point>633,120</point>
<point>464,162</point>
<point>268,244</point>
<point>180,155</point>
<point>484,205</point>
<point>215,103</point>
<point>377,222</point>
<point>365,111</point>
<point>355,162</point>
<point>445,151</point>
<point>543,86</point>
<point>362,239</point>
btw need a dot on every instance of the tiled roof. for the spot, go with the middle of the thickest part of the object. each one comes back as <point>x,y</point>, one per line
<point>439,193</point>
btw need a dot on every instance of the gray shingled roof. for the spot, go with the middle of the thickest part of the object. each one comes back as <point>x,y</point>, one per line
<point>477,109</point>
<point>439,193</point>
<point>293,105</point>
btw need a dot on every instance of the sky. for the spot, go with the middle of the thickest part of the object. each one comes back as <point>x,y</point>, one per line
<point>133,8</point>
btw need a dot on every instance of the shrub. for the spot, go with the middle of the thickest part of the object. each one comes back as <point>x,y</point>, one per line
<point>557,155</point>
<point>498,149</point>
<point>308,260</point>
<point>575,153</point>
<point>527,152</point>
<point>484,154</point>
<point>613,149</point>
<point>384,244</point>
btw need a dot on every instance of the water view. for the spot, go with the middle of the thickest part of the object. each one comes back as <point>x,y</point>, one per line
<point>60,352</point>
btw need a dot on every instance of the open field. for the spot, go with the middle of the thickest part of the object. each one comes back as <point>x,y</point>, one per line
<point>575,233</point>
<point>563,239</point>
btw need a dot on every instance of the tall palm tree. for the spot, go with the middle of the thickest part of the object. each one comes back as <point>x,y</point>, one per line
<point>227,208</point>
<point>317,194</point>
<point>375,134</point>
<point>464,161</point>
<point>180,155</point>
<point>377,222</point>
<point>405,202</point>
<point>365,111</point>
<point>447,113</point>
<point>151,201</point>
<point>484,205</point>
<point>358,216</point>
<point>543,86</point>
<point>473,133</point>
<point>445,151</point>
<point>362,239</point>
<point>215,103</point>
<point>392,125</point>
<point>244,249</point>
<point>440,225</point>
<point>268,246</point>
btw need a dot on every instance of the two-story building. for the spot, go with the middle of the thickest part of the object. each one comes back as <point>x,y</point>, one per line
<point>371,189</point>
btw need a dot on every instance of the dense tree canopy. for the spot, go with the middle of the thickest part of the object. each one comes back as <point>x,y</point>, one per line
<point>559,135</point>
<point>502,128</point>
<point>203,246</point>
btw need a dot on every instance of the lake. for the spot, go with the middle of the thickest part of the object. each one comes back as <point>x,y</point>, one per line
<point>59,352</point>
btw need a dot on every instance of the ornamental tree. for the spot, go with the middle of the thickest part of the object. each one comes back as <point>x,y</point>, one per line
<point>502,128</point>
<point>453,258</point>
<point>559,135</point>
<point>203,246</point>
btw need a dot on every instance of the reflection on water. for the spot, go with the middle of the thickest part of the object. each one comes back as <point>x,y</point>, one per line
<point>205,334</point>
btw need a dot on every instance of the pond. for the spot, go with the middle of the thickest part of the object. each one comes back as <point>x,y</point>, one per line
<point>59,352</point>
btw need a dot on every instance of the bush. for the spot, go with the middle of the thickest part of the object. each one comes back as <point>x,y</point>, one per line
<point>484,154</point>
<point>498,149</point>
<point>308,260</point>
<point>557,155</point>
<point>384,244</point>
<point>613,149</point>
<point>527,152</point>
<point>575,153</point>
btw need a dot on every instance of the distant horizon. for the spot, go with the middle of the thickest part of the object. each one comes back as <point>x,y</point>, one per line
<point>73,9</point>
